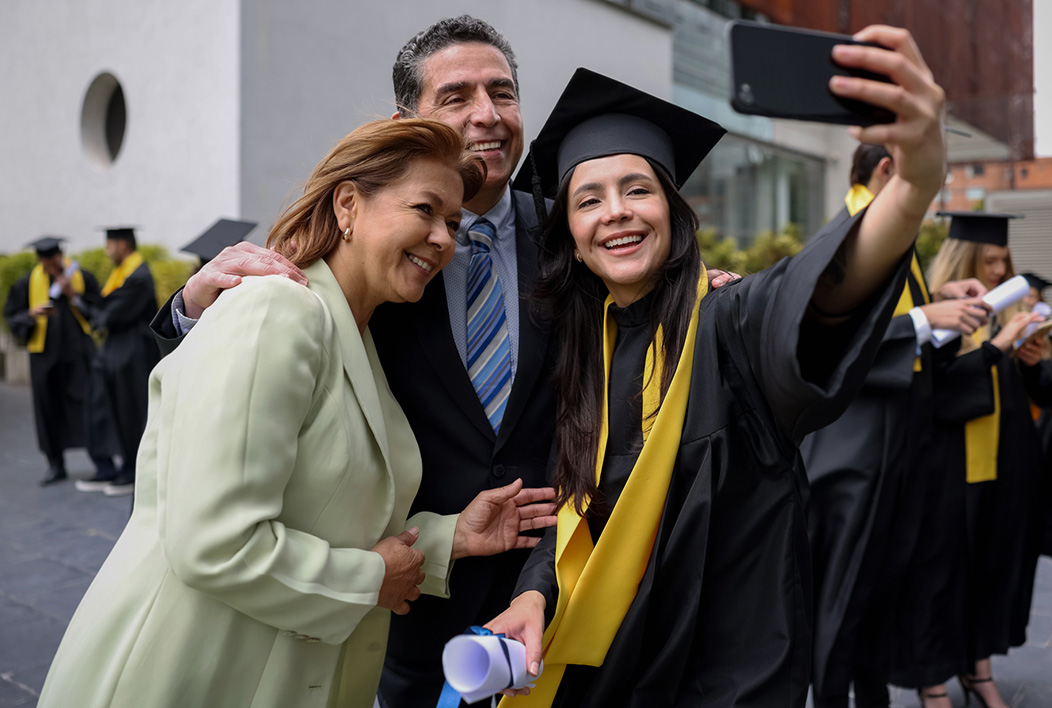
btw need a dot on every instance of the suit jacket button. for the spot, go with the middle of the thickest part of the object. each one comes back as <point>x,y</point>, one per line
<point>498,471</point>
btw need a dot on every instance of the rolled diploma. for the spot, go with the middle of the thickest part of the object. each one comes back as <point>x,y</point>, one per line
<point>476,666</point>
<point>1007,293</point>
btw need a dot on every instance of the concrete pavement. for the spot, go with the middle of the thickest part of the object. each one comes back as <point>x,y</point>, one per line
<point>52,541</point>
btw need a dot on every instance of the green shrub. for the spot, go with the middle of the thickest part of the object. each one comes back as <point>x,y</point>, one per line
<point>929,241</point>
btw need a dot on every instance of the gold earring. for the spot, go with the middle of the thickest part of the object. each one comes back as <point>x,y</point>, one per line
<point>579,258</point>
<point>347,234</point>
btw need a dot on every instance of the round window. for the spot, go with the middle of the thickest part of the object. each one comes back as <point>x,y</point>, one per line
<point>103,119</point>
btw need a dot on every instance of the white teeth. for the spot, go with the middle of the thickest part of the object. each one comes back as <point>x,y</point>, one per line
<point>624,240</point>
<point>423,264</point>
<point>492,145</point>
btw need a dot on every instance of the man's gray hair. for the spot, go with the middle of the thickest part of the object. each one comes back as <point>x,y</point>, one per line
<point>407,74</point>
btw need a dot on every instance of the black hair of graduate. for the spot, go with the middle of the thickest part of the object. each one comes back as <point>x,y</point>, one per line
<point>570,297</point>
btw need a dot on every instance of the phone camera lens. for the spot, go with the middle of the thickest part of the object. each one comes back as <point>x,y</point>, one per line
<point>745,94</point>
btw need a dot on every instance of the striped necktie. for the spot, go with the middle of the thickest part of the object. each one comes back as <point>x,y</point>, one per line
<point>489,349</point>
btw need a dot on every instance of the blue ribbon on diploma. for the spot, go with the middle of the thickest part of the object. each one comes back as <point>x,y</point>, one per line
<point>450,697</point>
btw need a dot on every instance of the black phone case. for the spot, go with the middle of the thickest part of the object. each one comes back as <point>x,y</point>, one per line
<point>784,72</point>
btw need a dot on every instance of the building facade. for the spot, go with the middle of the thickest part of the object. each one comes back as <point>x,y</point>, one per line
<point>168,116</point>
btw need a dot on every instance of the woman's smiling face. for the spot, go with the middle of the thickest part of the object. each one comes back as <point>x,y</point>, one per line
<point>619,218</point>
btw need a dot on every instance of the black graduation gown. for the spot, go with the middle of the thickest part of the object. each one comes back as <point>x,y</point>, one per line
<point>60,375</point>
<point>722,615</point>
<point>1043,375</point>
<point>1004,522</point>
<point>127,356</point>
<point>929,629</point>
<point>862,520</point>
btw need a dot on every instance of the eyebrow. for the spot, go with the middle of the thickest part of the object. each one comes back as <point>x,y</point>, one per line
<point>632,177</point>
<point>455,86</point>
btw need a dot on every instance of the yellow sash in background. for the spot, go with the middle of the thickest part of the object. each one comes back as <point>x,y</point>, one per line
<point>39,285</point>
<point>982,436</point>
<point>121,272</point>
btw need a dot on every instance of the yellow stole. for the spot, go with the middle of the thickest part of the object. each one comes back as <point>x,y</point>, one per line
<point>857,199</point>
<point>121,272</point>
<point>39,285</point>
<point>982,436</point>
<point>597,584</point>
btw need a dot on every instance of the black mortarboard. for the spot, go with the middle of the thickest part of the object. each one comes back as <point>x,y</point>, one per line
<point>978,226</point>
<point>223,233</point>
<point>46,245</point>
<point>597,116</point>
<point>121,233</point>
<point>1036,281</point>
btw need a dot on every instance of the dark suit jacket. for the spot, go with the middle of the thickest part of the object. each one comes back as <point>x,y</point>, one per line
<point>462,457</point>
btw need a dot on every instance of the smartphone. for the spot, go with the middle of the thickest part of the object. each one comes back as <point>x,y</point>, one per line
<point>784,72</point>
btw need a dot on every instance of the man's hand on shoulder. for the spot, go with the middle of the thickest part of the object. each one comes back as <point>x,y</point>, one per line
<point>226,270</point>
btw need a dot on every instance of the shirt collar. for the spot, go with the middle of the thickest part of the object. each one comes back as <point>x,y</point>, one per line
<point>501,216</point>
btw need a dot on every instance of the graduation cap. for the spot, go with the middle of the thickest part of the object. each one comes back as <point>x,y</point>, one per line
<point>223,233</point>
<point>597,116</point>
<point>1036,281</point>
<point>46,246</point>
<point>979,227</point>
<point>120,233</point>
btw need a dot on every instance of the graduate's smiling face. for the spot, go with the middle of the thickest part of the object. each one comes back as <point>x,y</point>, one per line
<point>619,218</point>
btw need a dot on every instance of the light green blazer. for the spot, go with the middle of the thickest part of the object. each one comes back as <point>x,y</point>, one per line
<point>274,457</point>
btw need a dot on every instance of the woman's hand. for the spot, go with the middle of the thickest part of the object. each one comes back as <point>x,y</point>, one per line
<point>959,315</point>
<point>493,521</point>
<point>225,271</point>
<point>1013,331</point>
<point>960,289</point>
<point>1030,352</point>
<point>402,571</point>
<point>523,622</point>
<point>915,139</point>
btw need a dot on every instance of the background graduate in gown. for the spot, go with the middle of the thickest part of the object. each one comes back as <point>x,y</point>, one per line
<point>47,310</point>
<point>688,581</point>
<point>995,456</point>
<point>867,499</point>
<point>128,353</point>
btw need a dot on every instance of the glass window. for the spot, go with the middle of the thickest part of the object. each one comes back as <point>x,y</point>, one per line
<point>744,188</point>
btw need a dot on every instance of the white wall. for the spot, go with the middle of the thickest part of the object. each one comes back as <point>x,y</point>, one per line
<point>177,169</point>
<point>313,72</point>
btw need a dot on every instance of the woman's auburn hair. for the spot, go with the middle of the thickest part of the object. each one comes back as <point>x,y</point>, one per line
<point>371,157</point>
<point>570,297</point>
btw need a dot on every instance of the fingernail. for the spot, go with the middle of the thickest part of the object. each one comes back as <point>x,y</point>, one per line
<point>535,669</point>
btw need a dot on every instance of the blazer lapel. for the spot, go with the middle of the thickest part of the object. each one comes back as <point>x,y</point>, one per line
<point>436,342</point>
<point>533,339</point>
<point>356,364</point>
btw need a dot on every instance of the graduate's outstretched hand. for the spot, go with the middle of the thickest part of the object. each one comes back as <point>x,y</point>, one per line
<point>402,571</point>
<point>523,622</point>
<point>915,139</point>
<point>959,315</point>
<point>495,519</point>
<point>960,289</point>
<point>226,270</point>
<point>1013,331</point>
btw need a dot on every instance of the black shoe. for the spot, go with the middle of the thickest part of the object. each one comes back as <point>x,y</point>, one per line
<point>969,689</point>
<point>55,473</point>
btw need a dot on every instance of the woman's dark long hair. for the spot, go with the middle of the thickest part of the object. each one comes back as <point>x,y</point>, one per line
<point>571,297</point>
